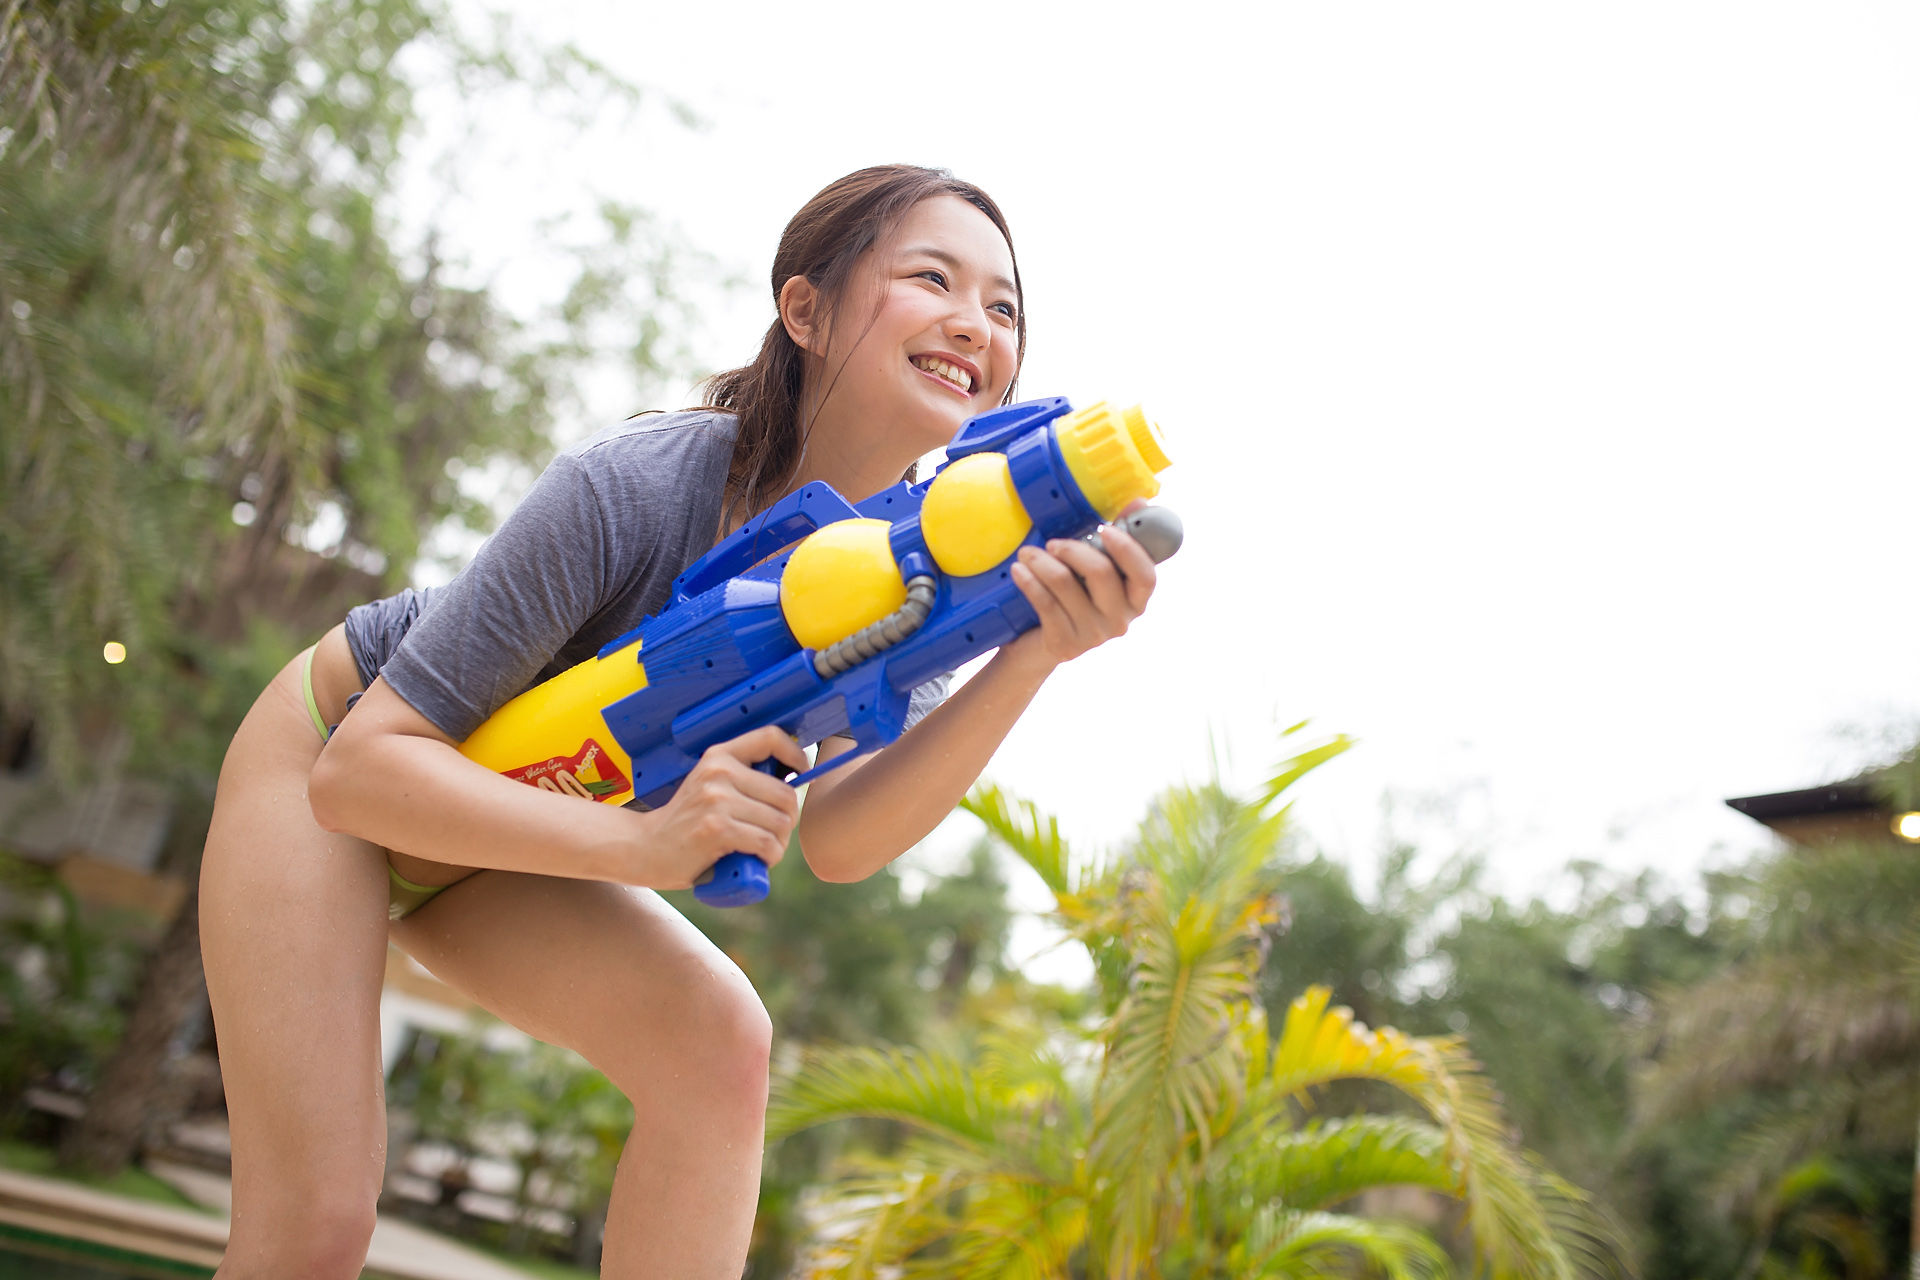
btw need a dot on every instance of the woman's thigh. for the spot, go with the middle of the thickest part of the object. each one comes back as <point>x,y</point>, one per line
<point>293,931</point>
<point>621,978</point>
<point>611,972</point>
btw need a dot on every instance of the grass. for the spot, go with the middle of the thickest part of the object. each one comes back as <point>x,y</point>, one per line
<point>541,1268</point>
<point>133,1182</point>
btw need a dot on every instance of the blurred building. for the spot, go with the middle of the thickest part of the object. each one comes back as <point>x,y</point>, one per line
<point>1852,810</point>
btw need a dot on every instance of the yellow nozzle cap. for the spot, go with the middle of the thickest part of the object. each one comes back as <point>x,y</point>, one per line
<point>1145,435</point>
<point>1113,455</point>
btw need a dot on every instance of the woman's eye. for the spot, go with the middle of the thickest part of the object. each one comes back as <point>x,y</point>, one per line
<point>1007,309</point>
<point>934,276</point>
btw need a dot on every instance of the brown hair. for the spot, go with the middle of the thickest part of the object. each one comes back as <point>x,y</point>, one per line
<point>823,242</point>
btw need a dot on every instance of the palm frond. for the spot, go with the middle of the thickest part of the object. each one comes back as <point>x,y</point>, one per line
<point>1171,1048</point>
<point>1173,1075</point>
<point>1284,1243</point>
<point>1186,1153</point>
<point>1299,765</point>
<point>1012,1230</point>
<point>1523,1221</point>
<point>1318,1045</point>
<point>931,1092</point>
<point>1021,828</point>
<point>868,1226</point>
<point>1193,916</point>
<point>1328,1161</point>
<point>913,1218</point>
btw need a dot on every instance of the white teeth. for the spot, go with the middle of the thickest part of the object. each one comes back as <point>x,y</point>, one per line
<point>952,373</point>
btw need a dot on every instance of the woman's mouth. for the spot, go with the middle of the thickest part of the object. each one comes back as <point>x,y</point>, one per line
<point>950,375</point>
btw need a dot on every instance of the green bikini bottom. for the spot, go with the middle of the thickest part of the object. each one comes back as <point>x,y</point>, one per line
<point>404,897</point>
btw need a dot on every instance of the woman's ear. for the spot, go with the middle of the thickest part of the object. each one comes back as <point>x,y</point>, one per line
<point>802,314</point>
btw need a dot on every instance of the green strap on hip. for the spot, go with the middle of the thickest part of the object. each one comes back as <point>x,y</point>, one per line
<point>313,705</point>
<point>406,897</point>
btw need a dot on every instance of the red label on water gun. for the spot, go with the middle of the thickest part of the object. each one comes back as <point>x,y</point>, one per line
<point>589,773</point>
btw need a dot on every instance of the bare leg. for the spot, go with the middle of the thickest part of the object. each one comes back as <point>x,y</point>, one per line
<point>293,929</point>
<point>624,980</point>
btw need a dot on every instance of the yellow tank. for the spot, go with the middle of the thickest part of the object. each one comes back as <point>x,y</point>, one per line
<point>554,737</point>
<point>841,577</point>
<point>972,516</point>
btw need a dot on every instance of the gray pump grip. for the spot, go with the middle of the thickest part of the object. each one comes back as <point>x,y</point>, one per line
<point>1156,529</point>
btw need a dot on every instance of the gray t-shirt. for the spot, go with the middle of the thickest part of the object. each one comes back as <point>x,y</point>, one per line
<point>590,553</point>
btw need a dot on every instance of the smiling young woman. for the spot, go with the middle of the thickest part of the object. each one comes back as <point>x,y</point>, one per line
<point>899,315</point>
<point>833,239</point>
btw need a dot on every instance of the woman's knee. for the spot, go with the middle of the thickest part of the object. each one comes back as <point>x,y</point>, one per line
<point>719,1044</point>
<point>730,1040</point>
<point>744,1031</point>
<point>323,1233</point>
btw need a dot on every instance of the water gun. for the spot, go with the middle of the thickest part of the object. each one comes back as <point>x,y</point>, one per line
<point>830,636</point>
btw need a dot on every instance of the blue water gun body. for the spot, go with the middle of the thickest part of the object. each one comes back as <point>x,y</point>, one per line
<point>822,616</point>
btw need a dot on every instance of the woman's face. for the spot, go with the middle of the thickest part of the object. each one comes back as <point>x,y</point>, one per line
<point>942,344</point>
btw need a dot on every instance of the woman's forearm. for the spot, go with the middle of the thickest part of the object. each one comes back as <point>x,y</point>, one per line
<point>389,776</point>
<point>418,795</point>
<point>882,806</point>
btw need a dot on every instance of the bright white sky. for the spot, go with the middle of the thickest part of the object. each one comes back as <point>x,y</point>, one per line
<point>1541,380</point>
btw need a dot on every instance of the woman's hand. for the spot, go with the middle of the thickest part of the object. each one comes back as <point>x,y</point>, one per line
<point>1083,597</point>
<point>724,806</point>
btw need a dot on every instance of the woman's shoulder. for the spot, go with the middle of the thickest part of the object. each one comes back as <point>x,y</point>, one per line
<point>687,433</point>
<point>655,469</point>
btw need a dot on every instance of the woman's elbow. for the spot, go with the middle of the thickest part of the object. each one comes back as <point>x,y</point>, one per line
<point>828,858</point>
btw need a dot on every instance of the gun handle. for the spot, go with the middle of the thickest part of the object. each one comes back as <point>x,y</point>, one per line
<point>739,879</point>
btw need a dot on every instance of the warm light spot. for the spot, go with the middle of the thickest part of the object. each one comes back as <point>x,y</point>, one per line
<point>1907,827</point>
<point>115,652</point>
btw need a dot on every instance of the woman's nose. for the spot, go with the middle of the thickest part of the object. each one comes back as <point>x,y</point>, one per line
<point>967,324</point>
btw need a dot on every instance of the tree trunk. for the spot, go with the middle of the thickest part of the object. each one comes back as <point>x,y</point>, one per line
<point>589,1225</point>
<point>127,1099</point>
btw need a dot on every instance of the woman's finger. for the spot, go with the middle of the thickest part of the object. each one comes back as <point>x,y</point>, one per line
<point>1101,578</point>
<point>1040,590</point>
<point>763,833</point>
<point>769,742</point>
<point>1134,562</point>
<point>764,789</point>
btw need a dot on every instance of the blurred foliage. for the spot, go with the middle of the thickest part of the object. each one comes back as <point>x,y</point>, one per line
<point>212,348</point>
<point>235,400</point>
<point>1805,1049</point>
<point>63,975</point>
<point>1170,1132</point>
<point>540,1110</point>
<point>1695,1052</point>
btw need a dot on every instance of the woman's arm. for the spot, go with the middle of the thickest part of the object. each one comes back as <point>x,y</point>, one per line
<point>390,776</point>
<point>865,814</point>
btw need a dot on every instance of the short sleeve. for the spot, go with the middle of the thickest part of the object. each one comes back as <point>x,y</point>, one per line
<point>531,587</point>
<point>926,697</point>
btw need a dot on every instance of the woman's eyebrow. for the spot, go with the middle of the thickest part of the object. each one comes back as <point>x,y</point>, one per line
<point>952,263</point>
